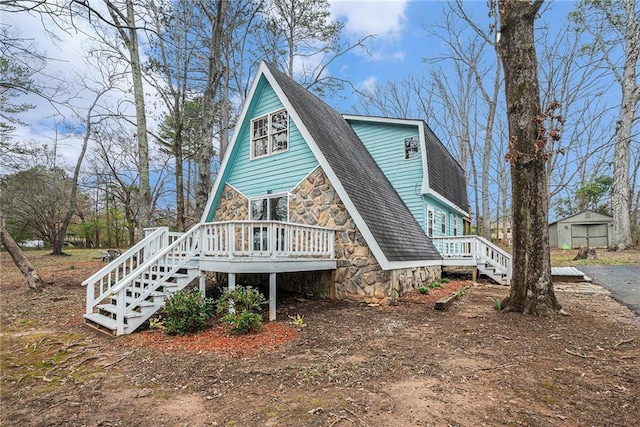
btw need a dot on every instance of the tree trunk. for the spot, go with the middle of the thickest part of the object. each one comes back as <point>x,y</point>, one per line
<point>531,287</point>
<point>214,75</point>
<point>34,281</point>
<point>620,194</point>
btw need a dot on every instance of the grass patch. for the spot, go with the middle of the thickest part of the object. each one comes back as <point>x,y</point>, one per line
<point>564,258</point>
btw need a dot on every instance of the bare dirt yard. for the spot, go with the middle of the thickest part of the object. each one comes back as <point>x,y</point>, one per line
<point>351,365</point>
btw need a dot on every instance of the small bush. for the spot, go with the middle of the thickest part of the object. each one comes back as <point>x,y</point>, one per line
<point>435,285</point>
<point>423,290</point>
<point>241,307</point>
<point>186,311</point>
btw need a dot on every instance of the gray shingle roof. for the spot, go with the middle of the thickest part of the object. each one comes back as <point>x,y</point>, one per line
<point>446,176</point>
<point>395,230</point>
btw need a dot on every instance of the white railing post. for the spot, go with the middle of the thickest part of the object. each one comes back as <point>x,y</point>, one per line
<point>271,239</point>
<point>90,297</point>
<point>120,311</point>
<point>231,240</point>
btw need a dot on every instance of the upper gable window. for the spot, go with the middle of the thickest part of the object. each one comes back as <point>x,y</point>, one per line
<point>270,134</point>
<point>411,148</point>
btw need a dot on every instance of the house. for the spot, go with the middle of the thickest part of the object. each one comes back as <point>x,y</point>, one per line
<point>359,208</point>
<point>587,228</point>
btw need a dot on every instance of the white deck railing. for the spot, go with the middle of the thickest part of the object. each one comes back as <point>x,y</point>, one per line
<point>266,239</point>
<point>474,248</point>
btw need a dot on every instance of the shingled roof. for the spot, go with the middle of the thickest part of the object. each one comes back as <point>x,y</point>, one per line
<point>446,176</point>
<point>360,180</point>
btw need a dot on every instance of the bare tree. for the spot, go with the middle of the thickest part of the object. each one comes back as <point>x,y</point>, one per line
<point>614,27</point>
<point>531,288</point>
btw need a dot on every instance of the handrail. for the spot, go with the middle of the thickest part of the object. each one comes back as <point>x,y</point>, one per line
<point>130,255</point>
<point>123,284</point>
<point>477,248</point>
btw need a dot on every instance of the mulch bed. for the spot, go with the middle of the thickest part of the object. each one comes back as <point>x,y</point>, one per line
<point>219,339</point>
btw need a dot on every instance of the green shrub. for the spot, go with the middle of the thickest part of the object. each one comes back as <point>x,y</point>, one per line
<point>186,311</point>
<point>241,308</point>
<point>423,290</point>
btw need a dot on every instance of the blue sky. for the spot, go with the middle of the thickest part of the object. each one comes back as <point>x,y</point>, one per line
<point>398,50</point>
<point>402,41</point>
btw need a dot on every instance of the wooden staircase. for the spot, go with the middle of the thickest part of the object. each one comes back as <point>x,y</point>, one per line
<point>478,252</point>
<point>133,287</point>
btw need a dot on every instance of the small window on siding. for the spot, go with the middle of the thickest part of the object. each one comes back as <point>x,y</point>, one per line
<point>411,148</point>
<point>270,134</point>
<point>455,226</point>
<point>443,223</point>
<point>429,222</point>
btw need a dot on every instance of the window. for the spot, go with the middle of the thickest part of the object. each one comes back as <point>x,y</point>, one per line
<point>411,148</point>
<point>271,208</point>
<point>455,225</point>
<point>270,134</point>
<point>429,222</point>
<point>443,223</point>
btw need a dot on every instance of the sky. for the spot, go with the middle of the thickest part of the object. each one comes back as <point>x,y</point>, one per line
<point>398,49</point>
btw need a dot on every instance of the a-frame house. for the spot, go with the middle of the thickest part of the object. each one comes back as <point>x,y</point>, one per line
<point>352,207</point>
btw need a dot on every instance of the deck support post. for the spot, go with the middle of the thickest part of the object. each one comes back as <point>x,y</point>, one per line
<point>232,286</point>
<point>202,283</point>
<point>272,297</point>
<point>474,273</point>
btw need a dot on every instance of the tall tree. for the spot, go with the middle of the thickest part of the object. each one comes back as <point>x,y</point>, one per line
<point>125,23</point>
<point>531,289</point>
<point>614,26</point>
<point>215,69</point>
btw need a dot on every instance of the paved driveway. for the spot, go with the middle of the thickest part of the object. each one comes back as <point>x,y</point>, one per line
<point>623,281</point>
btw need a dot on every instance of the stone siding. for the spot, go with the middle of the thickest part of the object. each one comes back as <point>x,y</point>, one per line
<point>233,206</point>
<point>358,275</point>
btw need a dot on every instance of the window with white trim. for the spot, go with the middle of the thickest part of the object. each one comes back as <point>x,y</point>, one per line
<point>411,148</point>
<point>270,134</point>
<point>429,222</point>
<point>269,208</point>
<point>455,225</point>
<point>443,223</point>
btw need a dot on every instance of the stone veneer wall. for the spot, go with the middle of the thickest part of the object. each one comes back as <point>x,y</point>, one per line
<point>358,275</point>
<point>233,206</point>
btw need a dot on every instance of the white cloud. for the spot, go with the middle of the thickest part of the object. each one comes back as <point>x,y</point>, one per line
<point>368,86</point>
<point>384,18</point>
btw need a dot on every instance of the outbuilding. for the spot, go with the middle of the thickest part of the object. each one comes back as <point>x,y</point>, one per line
<point>587,228</point>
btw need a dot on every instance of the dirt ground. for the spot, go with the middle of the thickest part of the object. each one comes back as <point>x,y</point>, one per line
<point>351,365</point>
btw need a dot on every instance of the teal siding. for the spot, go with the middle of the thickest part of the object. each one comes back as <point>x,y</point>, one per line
<point>277,173</point>
<point>440,208</point>
<point>385,142</point>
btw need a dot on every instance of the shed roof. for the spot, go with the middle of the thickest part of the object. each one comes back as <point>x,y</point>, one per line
<point>586,215</point>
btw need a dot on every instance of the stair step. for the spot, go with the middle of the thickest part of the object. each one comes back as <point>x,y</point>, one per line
<point>101,322</point>
<point>110,308</point>
<point>129,300</point>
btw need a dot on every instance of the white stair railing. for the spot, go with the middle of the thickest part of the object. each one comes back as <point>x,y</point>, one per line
<point>475,248</point>
<point>111,274</point>
<point>163,264</point>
